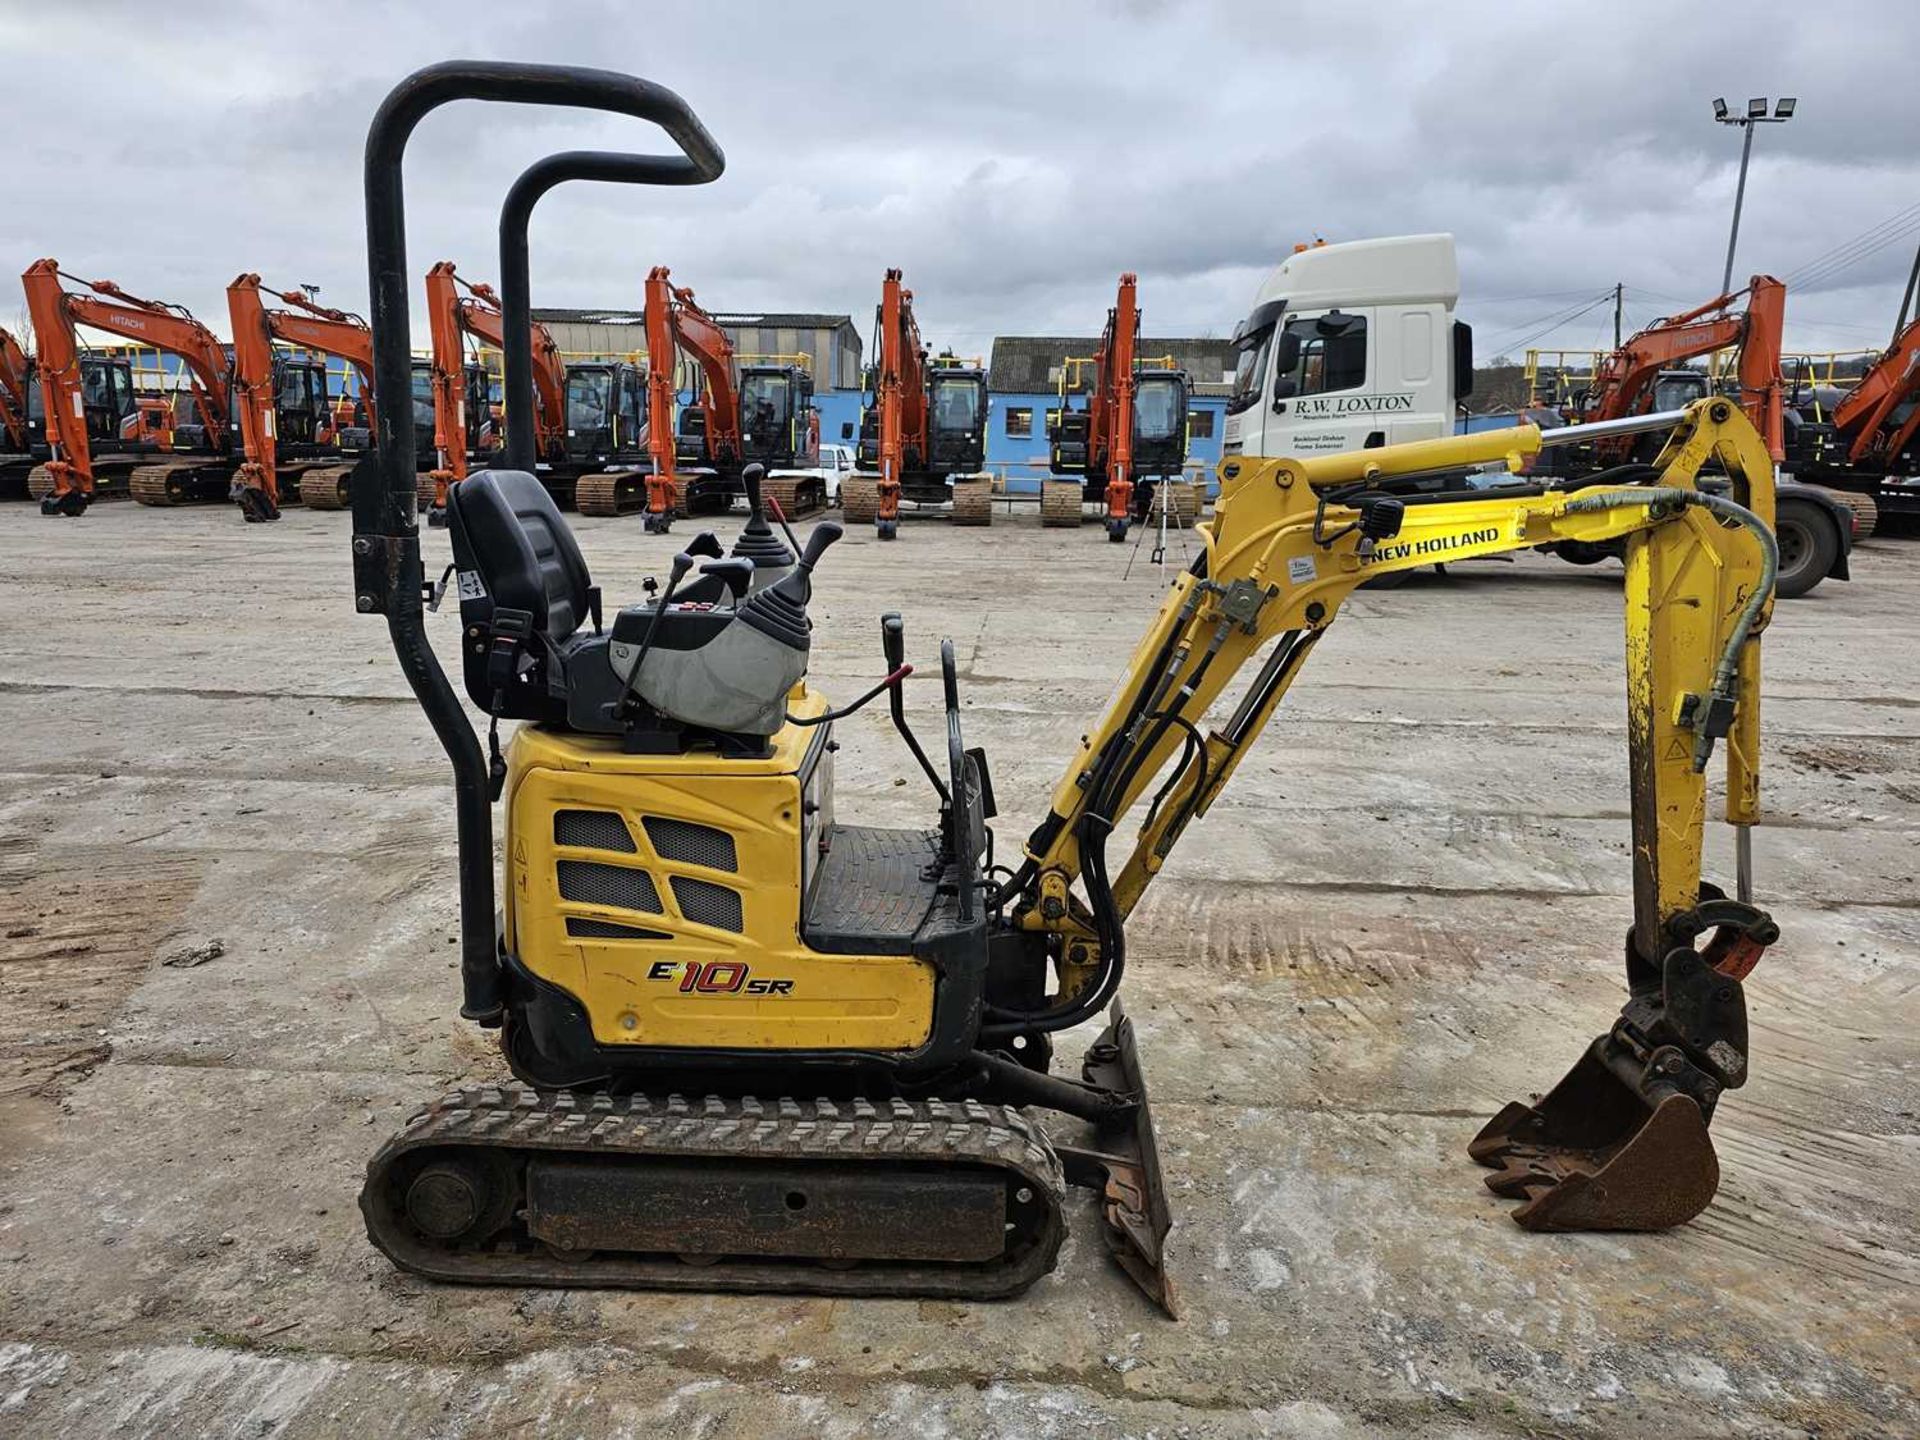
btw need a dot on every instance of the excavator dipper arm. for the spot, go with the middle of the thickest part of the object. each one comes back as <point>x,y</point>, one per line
<point>451,317</point>
<point>1290,540</point>
<point>676,322</point>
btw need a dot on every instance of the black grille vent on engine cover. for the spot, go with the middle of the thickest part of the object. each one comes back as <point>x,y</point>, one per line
<point>586,883</point>
<point>593,830</point>
<point>584,929</point>
<point>691,844</point>
<point>705,903</point>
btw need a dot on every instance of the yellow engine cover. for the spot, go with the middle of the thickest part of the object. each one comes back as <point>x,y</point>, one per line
<point>664,893</point>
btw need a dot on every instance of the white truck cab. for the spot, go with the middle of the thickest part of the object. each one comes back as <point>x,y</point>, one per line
<point>1351,346</point>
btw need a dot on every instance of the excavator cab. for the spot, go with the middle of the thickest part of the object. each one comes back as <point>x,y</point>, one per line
<point>606,410</point>
<point>422,382</point>
<point>107,398</point>
<point>1160,400</point>
<point>776,404</point>
<point>956,419</point>
<point>302,410</point>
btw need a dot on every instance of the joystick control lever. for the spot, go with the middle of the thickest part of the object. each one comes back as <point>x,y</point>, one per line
<point>682,563</point>
<point>893,644</point>
<point>736,575</point>
<point>757,541</point>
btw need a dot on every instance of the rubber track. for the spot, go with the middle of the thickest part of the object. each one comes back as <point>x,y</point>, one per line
<point>109,483</point>
<point>612,492</point>
<point>153,485</point>
<point>326,488</point>
<point>1866,509</point>
<point>973,502</point>
<point>523,1122</point>
<point>794,501</point>
<point>859,499</point>
<point>1062,504</point>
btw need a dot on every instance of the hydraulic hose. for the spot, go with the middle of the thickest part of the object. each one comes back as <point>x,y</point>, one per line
<point>1723,675</point>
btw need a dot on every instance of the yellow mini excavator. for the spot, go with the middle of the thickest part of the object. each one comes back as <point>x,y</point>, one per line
<point>760,1046</point>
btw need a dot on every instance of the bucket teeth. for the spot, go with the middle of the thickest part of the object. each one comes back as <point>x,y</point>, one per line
<point>1661,1173</point>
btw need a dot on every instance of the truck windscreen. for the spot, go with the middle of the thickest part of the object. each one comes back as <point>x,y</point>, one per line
<point>1250,371</point>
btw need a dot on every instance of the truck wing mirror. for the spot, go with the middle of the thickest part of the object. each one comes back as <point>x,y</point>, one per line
<point>1284,389</point>
<point>1286,351</point>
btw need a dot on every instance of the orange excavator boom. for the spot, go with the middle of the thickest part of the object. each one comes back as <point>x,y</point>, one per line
<point>1112,403</point>
<point>451,317</point>
<point>15,374</point>
<point>1623,383</point>
<point>1868,416</point>
<point>316,328</point>
<point>900,385</point>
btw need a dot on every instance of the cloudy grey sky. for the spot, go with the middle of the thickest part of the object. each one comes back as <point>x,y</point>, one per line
<point>1012,158</point>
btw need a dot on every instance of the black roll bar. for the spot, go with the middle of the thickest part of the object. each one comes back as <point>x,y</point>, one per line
<point>516,306</point>
<point>386,538</point>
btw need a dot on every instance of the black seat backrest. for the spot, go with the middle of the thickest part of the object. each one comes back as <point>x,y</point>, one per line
<point>523,593</point>
<point>508,532</point>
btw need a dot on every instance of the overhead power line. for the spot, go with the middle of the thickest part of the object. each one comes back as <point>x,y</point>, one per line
<point>1856,248</point>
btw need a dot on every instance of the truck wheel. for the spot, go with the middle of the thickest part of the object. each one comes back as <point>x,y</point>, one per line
<point>1809,545</point>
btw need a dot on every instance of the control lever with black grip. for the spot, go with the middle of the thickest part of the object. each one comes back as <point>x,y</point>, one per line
<point>893,644</point>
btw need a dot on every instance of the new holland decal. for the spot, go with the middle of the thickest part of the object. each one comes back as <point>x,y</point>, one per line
<point>1439,545</point>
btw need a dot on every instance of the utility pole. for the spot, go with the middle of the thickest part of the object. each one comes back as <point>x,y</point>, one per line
<point>1906,300</point>
<point>1756,115</point>
<point>1617,288</point>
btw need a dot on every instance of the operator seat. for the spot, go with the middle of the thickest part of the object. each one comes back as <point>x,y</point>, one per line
<point>712,664</point>
<point>524,593</point>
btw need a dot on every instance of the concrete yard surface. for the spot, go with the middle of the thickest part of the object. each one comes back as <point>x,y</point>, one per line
<point>227,972</point>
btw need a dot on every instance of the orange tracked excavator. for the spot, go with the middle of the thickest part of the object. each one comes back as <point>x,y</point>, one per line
<point>1816,525</point>
<point>201,465</point>
<point>16,446</point>
<point>588,433</point>
<point>461,421</point>
<point>1132,428</point>
<point>737,414</point>
<point>1862,441</point>
<point>121,425</point>
<point>1643,374</point>
<point>923,434</point>
<point>289,426</point>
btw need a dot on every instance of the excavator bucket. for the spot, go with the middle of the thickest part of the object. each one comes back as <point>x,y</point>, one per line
<point>1600,1153</point>
<point>1621,1142</point>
